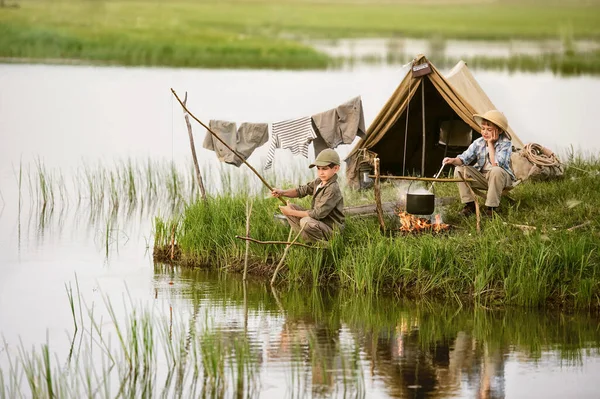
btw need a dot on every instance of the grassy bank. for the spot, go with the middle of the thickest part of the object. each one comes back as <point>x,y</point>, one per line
<point>550,265</point>
<point>241,33</point>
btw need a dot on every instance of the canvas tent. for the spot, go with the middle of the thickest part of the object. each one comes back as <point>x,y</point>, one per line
<point>426,108</point>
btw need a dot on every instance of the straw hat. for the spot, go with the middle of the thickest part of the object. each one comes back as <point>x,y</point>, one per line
<point>496,117</point>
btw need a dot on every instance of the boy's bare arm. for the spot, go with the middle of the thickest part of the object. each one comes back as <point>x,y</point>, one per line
<point>290,193</point>
<point>289,211</point>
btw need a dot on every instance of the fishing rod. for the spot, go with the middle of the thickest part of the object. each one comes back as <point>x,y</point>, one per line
<point>226,145</point>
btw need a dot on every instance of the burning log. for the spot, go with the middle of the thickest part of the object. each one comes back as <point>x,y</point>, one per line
<point>413,224</point>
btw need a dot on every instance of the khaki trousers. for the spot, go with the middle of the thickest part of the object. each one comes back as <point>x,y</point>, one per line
<point>494,181</point>
<point>314,229</point>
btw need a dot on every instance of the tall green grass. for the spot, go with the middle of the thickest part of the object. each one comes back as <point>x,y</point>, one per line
<point>501,266</point>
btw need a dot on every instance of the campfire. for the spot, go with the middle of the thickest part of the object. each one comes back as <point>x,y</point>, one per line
<point>414,224</point>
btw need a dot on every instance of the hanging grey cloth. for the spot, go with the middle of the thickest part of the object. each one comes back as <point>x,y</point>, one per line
<point>250,136</point>
<point>243,140</point>
<point>339,125</point>
<point>227,131</point>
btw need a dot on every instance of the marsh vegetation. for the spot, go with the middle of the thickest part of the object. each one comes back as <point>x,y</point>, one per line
<point>555,262</point>
<point>267,34</point>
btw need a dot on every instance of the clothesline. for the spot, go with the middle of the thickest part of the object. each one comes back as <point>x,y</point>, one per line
<point>339,125</point>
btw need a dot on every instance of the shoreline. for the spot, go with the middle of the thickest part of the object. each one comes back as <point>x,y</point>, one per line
<point>536,253</point>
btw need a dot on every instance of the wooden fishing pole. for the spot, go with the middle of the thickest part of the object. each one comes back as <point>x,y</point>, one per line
<point>237,154</point>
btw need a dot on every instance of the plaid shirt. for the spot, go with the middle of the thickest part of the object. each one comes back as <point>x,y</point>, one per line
<point>478,151</point>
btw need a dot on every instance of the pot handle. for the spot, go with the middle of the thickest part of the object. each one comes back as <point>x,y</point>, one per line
<point>410,184</point>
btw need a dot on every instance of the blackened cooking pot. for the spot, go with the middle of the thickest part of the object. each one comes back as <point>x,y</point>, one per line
<point>419,203</point>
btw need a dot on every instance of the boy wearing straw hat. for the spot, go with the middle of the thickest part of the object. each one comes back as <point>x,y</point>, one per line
<point>327,209</point>
<point>491,154</point>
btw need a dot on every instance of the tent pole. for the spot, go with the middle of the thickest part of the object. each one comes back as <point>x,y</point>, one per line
<point>406,130</point>
<point>423,114</point>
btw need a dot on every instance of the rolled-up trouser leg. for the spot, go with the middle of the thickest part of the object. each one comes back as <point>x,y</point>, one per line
<point>294,221</point>
<point>314,230</point>
<point>498,179</point>
<point>469,172</point>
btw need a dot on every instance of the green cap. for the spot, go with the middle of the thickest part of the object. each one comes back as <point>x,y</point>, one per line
<point>325,158</point>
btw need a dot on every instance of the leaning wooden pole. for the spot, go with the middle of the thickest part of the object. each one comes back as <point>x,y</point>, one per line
<point>237,154</point>
<point>477,211</point>
<point>254,240</point>
<point>377,192</point>
<point>194,158</point>
<point>285,252</point>
<point>248,213</point>
<point>423,117</point>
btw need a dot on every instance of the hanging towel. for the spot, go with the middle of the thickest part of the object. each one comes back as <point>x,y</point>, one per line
<point>339,125</point>
<point>293,134</point>
<point>250,136</point>
<point>227,131</point>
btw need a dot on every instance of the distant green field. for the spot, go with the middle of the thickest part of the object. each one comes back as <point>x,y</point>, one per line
<point>244,33</point>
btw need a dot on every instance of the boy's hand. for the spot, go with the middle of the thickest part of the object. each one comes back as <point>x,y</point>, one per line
<point>286,210</point>
<point>277,192</point>
<point>492,137</point>
<point>451,161</point>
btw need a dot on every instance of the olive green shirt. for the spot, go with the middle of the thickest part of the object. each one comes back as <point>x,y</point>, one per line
<point>327,203</point>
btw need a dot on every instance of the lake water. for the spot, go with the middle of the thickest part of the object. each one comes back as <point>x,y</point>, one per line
<point>67,118</point>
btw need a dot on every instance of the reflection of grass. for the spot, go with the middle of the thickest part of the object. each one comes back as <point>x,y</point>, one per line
<point>239,33</point>
<point>327,335</point>
<point>501,265</point>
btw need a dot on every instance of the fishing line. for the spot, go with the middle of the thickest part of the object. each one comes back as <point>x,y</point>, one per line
<point>171,129</point>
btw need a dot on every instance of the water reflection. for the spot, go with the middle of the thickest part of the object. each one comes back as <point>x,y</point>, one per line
<point>335,343</point>
<point>566,56</point>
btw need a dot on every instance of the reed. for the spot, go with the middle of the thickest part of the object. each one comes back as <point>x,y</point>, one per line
<point>504,265</point>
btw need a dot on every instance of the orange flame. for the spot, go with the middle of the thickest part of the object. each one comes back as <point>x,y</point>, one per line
<point>410,223</point>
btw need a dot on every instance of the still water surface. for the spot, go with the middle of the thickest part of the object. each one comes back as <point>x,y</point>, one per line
<point>66,117</point>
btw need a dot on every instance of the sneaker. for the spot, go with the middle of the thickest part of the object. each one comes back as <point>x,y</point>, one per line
<point>468,209</point>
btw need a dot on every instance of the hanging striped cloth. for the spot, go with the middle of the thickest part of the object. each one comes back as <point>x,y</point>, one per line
<point>294,135</point>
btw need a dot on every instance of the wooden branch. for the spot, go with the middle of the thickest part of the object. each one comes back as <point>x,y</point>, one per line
<point>237,154</point>
<point>587,222</point>
<point>285,252</point>
<point>440,180</point>
<point>523,227</point>
<point>248,213</point>
<point>477,211</point>
<point>194,158</point>
<point>377,192</point>
<point>250,239</point>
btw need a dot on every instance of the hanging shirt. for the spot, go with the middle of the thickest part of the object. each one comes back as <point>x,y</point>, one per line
<point>294,135</point>
<point>478,152</point>
<point>339,125</point>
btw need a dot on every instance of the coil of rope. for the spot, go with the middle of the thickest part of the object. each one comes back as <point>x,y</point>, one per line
<point>539,155</point>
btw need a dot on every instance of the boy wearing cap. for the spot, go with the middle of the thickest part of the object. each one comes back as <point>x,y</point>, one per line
<point>326,212</point>
<point>492,171</point>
